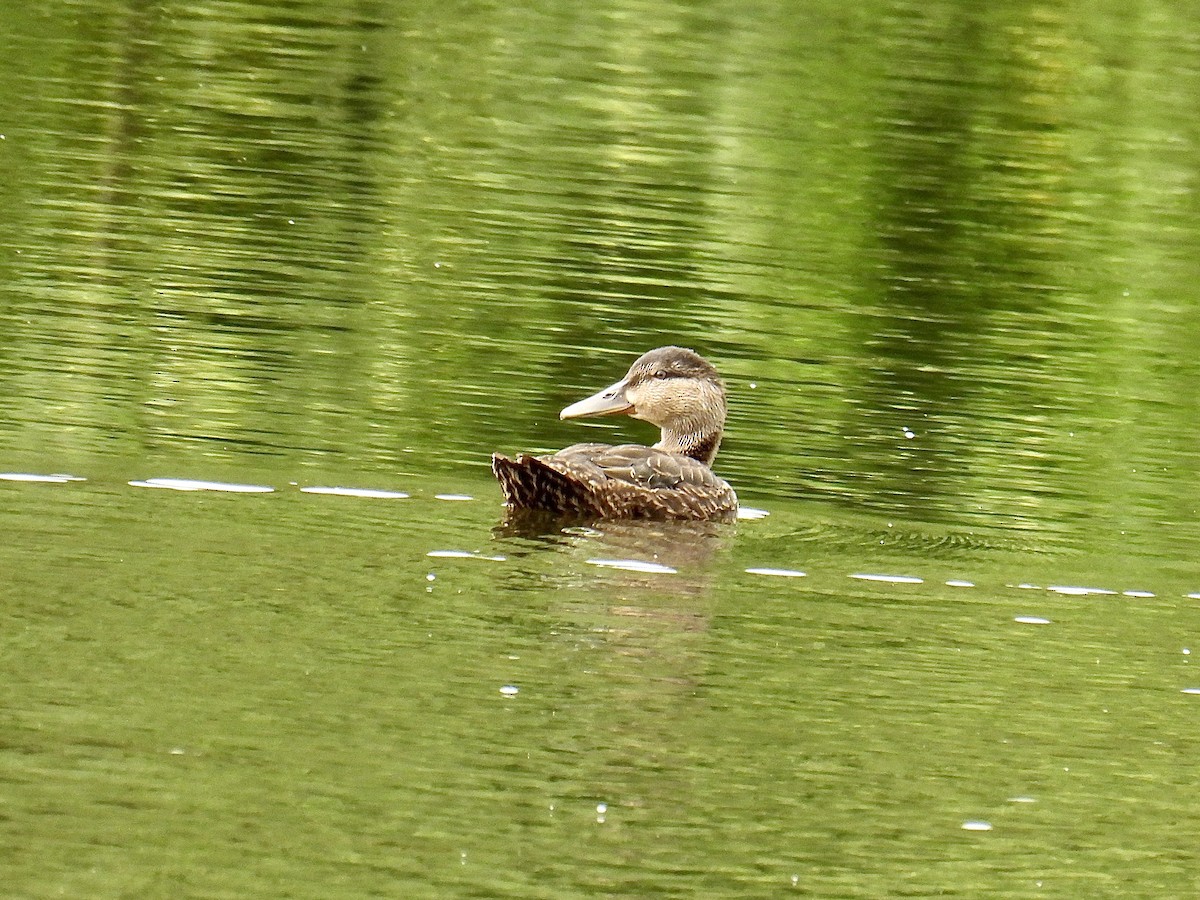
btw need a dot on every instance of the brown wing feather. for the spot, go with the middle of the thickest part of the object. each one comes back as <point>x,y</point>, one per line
<point>623,481</point>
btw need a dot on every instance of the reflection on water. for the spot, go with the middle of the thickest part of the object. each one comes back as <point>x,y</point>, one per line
<point>636,555</point>
<point>946,260</point>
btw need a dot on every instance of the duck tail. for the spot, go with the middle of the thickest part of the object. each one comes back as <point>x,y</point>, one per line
<point>532,483</point>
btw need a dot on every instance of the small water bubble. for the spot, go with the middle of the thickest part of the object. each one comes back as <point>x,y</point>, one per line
<point>889,579</point>
<point>633,565</point>
<point>368,493</point>
<point>431,577</point>
<point>1031,620</point>
<point>47,479</point>
<point>510,690</point>
<point>464,554</point>
<point>189,484</point>
<point>976,825</point>
<point>1077,590</point>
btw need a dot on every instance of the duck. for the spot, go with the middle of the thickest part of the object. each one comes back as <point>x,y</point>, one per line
<point>673,388</point>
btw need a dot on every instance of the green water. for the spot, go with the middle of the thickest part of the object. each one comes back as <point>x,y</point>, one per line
<point>946,258</point>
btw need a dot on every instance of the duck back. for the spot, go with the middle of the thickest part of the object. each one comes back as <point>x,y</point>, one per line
<point>625,481</point>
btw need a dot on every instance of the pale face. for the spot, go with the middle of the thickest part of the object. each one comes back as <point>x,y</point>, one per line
<point>670,387</point>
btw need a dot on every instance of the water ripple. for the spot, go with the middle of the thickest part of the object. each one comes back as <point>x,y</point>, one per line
<point>187,484</point>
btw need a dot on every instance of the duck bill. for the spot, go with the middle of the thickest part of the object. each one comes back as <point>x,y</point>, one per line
<point>608,402</point>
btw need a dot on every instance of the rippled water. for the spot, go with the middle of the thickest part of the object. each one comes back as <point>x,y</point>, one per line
<point>276,280</point>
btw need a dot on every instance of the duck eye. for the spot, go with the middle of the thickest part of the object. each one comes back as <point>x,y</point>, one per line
<point>660,374</point>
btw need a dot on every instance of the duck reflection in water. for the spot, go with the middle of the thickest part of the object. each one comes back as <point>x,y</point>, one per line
<point>684,547</point>
<point>671,387</point>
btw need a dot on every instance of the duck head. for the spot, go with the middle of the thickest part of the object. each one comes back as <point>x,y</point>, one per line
<point>671,387</point>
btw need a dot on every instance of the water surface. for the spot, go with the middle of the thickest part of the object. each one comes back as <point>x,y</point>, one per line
<point>946,260</point>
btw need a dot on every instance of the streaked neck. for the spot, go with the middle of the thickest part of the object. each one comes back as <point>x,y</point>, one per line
<point>699,445</point>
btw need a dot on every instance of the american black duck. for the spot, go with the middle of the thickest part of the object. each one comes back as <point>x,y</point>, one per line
<point>673,388</point>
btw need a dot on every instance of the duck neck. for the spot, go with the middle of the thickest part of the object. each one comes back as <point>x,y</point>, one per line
<point>700,445</point>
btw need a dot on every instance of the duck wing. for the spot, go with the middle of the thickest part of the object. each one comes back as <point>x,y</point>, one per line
<point>625,481</point>
<point>645,467</point>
